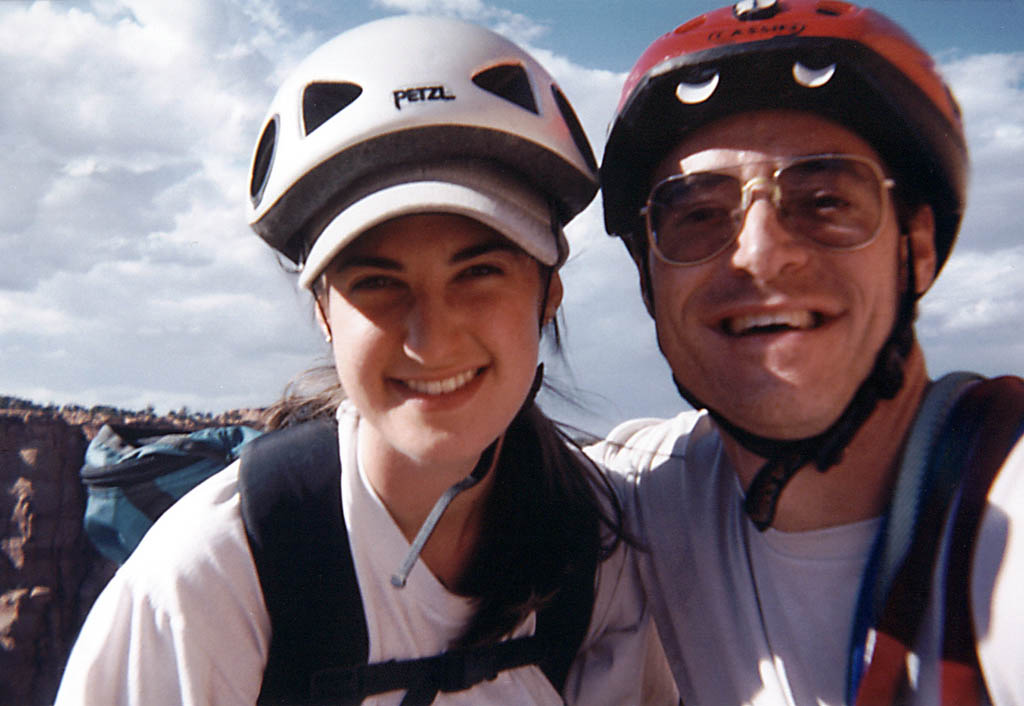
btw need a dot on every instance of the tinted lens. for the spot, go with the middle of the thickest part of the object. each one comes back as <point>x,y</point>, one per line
<point>692,217</point>
<point>836,201</point>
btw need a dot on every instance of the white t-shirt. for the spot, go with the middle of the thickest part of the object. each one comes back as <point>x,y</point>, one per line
<point>765,618</point>
<point>183,621</point>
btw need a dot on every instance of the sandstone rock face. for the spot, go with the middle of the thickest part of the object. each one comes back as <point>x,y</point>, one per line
<point>49,572</point>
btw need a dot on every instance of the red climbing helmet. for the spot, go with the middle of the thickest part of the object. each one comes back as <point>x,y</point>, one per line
<point>849,64</point>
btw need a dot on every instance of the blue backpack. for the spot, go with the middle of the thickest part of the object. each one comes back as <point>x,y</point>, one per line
<point>132,476</point>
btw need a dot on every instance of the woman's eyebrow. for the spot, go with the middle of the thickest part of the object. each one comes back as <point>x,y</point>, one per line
<point>380,263</point>
<point>386,263</point>
<point>482,249</point>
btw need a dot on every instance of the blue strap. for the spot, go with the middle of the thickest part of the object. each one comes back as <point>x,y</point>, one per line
<point>896,531</point>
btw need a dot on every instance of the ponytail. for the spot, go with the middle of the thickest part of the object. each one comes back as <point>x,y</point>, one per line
<point>315,394</point>
<point>550,513</point>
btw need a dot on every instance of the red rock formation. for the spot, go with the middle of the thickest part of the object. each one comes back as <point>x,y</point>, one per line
<point>50,574</point>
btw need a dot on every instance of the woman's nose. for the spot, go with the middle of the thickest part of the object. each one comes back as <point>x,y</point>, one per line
<point>431,330</point>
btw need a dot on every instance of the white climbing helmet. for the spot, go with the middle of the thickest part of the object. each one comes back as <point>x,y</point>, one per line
<point>414,114</point>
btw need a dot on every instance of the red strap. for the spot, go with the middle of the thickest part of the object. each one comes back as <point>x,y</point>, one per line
<point>884,678</point>
<point>987,421</point>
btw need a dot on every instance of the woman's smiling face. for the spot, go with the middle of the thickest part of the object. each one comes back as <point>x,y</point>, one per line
<point>435,324</point>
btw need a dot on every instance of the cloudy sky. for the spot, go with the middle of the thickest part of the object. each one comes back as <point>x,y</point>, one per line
<point>130,277</point>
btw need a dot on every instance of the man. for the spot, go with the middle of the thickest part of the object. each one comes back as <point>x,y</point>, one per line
<point>789,178</point>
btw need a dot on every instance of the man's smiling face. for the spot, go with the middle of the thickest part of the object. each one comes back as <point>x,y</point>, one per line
<point>776,332</point>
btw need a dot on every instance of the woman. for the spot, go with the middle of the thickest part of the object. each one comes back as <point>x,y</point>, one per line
<point>422,193</point>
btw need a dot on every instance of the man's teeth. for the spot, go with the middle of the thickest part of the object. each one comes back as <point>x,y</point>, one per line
<point>441,387</point>
<point>786,319</point>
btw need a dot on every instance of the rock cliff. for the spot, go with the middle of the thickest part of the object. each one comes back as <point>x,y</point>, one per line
<point>49,572</point>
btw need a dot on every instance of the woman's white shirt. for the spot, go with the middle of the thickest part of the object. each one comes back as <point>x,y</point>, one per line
<point>183,621</point>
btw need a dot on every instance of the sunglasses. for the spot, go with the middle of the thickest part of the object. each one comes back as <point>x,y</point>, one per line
<point>835,200</point>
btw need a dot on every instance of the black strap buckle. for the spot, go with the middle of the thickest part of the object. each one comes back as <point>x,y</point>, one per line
<point>458,670</point>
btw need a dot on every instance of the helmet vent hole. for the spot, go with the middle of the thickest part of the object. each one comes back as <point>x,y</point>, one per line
<point>262,160</point>
<point>575,129</point>
<point>813,78</point>
<point>698,91</point>
<point>833,8</point>
<point>508,81</point>
<point>322,101</point>
<point>689,26</point>
<point>747,10</point>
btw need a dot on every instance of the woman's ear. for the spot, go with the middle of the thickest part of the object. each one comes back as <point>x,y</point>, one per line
<point>922,247</point>
<point>553,299</point>
<point>321,319</point>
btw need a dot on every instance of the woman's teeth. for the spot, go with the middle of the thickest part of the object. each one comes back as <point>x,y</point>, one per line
<point>440,387</point>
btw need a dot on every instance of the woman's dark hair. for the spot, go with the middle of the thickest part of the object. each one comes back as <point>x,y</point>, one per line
<point>550,513</point>
<point>315,394</point>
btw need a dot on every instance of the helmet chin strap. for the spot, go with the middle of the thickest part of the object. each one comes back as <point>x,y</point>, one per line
<point>487,462</point>
<point>787,456</point>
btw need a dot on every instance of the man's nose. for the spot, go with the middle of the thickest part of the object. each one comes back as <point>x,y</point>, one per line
<point>765,248</point>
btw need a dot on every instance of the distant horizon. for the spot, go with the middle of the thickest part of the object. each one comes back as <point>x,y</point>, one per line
<point>12,402</point>
<point>17,404</point>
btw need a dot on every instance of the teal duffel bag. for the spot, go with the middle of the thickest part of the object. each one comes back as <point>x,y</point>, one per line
<point>132,476</point>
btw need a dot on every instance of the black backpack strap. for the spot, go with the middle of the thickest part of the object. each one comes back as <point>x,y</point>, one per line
<point>562,625</point>
<point>561,628</point>
<point>291,505</point>
<point>423,677</point>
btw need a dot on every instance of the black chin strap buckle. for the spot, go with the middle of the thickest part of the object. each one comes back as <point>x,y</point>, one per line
<point>762,496</point>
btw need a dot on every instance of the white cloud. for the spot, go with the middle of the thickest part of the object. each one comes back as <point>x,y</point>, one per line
<point>132,278</point>
<point>517,27</point>
<point>116,118</point>
<point>971,317</point>
<point>131,275</point>
<point>979,290</point>
<point>990,88</point>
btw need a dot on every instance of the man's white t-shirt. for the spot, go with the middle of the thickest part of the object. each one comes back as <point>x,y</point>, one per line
<point>766,618</point>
